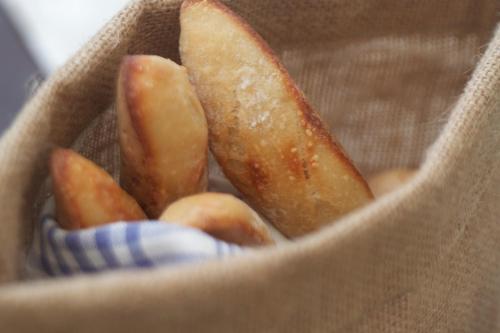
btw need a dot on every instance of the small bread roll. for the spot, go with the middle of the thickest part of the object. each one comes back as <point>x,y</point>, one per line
<point>86,195</point>
<point>389,180</point>
<point>222,216</point>
<point>264,134</point>
<point>163,133</point>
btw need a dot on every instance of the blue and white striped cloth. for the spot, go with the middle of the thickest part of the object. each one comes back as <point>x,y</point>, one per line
<point>120,245</point>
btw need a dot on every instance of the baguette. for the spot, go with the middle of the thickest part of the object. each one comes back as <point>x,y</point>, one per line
<point>266,137</point>
<point>222,216</point>
<point>162,131</point>
<point>86,195</point>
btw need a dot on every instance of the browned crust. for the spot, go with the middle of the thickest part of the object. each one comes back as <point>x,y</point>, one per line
<point>123,207</point>
<point>201,171</point>
<point>152,204</point>
<point>130,68</point>
<point>293,161</point>
<point>68,209</point>
<point>258,176</point>
<point>237,231</point>
<point>140,173</point>
<point>311,120</point>
<point>59,165</point>
<point>230,219</point>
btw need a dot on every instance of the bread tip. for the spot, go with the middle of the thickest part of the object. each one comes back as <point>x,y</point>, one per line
<point>59,158</point>
<point>131,63</point>
<point>58,153</point>
<point>127,59</point>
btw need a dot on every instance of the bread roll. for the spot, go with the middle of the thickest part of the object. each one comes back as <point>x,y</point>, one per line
<point>389,180</point>
<point>221,215</point>
<point>268,140</point>
<point>86,195</point>
<point>163,133</point>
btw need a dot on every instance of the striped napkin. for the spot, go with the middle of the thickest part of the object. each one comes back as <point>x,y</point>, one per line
<point>119,245</point>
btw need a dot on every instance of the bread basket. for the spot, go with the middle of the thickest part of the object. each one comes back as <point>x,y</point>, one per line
<point>400,83</point>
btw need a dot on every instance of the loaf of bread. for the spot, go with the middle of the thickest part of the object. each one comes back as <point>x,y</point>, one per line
<point>222,216</point>
<point>86,195</point>
<point>389,180</point>
<point>268,140</point>
<point>163,133</point>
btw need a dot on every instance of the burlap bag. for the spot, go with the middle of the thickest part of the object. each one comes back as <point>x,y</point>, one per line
<point>401,83</point>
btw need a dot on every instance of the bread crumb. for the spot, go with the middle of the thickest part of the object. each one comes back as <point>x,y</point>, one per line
<point>261,118</point>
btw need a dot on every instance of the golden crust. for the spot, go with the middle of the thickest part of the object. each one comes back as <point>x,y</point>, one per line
<point>86,195</point>
<point>310,118</point>
<point>163,132</point>
<point>221,215</point>
<point>268,140</point>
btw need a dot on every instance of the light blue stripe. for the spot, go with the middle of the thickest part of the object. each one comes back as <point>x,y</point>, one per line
<point>134,245</point>
<point>218,249</point>
<point>55,250</point>
<point>73,242</point>
<point>49,254</point>
<point>144,244</point>
<point>103,243</point>
<point>43,255</point>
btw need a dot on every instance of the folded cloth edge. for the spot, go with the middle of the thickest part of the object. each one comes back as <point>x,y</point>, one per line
<point>118,245</point>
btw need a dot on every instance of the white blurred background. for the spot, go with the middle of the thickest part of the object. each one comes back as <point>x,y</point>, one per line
<point>38,36</point>
<point>52,30</point>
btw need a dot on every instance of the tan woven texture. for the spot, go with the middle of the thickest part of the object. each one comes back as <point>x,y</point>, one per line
<point>401,83</point>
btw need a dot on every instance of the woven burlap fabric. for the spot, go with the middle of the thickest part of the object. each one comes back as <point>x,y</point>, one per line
<point>399,82</point>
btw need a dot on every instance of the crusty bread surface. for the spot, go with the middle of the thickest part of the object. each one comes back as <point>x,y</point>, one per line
<point>268,140</point>
<point>221,215</point>
<point>86,195</point>
<point>162,131</point>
